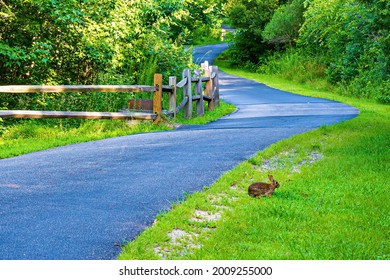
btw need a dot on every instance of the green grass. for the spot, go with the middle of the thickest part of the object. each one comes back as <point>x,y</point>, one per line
<point>36,135</point>
<point>210,116</point>
<point>32,136</point>
<point>333,202</point>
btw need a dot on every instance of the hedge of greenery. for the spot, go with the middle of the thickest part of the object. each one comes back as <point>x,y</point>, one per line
<point>94,42</point>
<point>348,39</point>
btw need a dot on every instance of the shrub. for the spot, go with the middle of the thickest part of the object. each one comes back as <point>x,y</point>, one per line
<point>353,38</point>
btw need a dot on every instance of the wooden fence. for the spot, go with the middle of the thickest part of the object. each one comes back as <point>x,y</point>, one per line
<point>206,89</point>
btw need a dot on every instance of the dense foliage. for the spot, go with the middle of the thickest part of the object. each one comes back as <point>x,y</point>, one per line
<point>283,28</point>
<point>347,41</point>
<point>250,18</point>
<point>353,38</point>
<point>126,41</point>
<point>94,42</point>
<point>82,41</point>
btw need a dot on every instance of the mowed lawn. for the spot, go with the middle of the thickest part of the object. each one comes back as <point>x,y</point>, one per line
<point>333,202</point>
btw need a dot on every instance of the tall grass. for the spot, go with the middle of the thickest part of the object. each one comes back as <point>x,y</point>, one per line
<point>293,65</point>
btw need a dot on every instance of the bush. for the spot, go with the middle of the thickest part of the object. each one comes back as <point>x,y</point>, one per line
<point>249,17</point>
<point>295,65</point>
<point>352,37</point>
<point>285,23</point>
<point>92,42</point>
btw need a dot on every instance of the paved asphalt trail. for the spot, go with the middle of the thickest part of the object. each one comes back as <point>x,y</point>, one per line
<point>75,202</point>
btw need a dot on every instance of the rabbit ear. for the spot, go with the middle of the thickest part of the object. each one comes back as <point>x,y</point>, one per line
<point>270,177</point>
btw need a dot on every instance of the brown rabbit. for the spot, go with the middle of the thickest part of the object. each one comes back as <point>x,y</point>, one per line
<point>263,189</point>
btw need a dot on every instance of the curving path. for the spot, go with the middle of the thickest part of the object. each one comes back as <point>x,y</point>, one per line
<point>75,202</point>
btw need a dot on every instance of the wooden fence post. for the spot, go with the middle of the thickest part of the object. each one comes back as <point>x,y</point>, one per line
<point>209,88</point>
<point>187,91</point>
<point>172,96</point>
<point>214,75</point>
<point>157,97</point>
<point>199,94</point>
<point>205,65</point>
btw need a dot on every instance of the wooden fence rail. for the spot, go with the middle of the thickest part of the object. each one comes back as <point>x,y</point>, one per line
<point>137,109</point>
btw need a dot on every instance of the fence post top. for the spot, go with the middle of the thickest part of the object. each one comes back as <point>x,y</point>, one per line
<point>187,72</point>
<point>205,65</point>
<point>197,73</point>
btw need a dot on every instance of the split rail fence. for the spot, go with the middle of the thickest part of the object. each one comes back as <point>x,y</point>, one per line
<point>206,89</point>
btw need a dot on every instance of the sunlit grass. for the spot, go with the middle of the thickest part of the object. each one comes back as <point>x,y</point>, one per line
<point>36,135</point>
<point>335,207</point>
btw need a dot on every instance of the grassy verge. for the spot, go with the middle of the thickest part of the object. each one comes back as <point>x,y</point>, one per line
<point>36,135</point>
<point>332,203</point>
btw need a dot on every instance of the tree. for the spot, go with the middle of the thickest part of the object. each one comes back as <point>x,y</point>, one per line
<point>250,18</point>
<point>284,26</point>
<point>101,41</point>
<point>353,37</point>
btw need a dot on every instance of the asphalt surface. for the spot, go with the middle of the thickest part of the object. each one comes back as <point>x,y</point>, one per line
<point>76,202</point>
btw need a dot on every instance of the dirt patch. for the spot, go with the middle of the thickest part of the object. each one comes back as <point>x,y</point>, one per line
<point>177,234</point>
<point>203,216</point>
<point>181,243</point>
<point>313,157</point>
<point>289,159</point>
<point>201,224</point>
